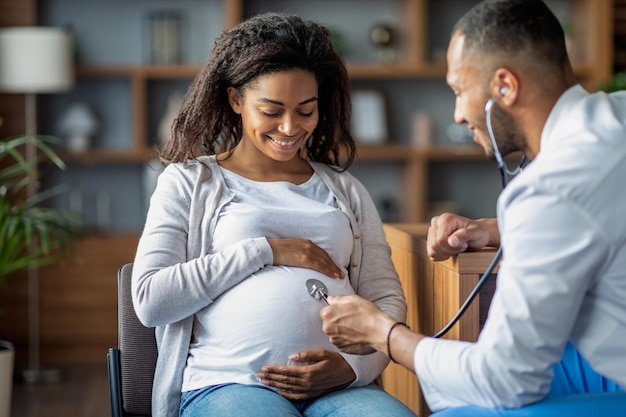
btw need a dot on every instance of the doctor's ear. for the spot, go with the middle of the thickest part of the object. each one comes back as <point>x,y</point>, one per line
<point>505,86</point>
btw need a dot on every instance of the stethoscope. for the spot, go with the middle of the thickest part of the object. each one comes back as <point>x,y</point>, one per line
<point>506,175</point>
<point>319,291</point>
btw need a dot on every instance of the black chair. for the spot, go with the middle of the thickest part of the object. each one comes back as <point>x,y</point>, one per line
<point>131,364</point>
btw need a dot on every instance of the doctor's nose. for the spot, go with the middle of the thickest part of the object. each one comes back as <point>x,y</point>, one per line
<point>459,116</point>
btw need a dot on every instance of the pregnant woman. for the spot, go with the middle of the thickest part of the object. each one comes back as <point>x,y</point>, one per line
<point>253,202</point>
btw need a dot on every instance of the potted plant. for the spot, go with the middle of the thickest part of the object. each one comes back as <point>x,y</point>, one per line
<point>616,83</point>
<point>31,235</point>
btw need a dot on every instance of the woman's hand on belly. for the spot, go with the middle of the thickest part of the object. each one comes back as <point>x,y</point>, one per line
<point>305,254</point>
<point>328,372</point>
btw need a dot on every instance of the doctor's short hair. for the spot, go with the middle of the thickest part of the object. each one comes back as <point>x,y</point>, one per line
<point>510,28</point>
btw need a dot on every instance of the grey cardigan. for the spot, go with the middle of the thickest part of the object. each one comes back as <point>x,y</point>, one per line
<point>174,275</point>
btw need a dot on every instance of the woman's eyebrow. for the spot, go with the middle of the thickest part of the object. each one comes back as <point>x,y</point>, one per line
<point>310,100</point>
<point>279,103</point>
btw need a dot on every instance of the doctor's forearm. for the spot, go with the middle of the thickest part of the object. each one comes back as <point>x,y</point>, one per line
<point>401,346</point>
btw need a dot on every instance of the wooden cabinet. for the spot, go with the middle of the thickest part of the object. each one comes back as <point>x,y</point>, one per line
<point>435,291</point>
<point>77,303</point>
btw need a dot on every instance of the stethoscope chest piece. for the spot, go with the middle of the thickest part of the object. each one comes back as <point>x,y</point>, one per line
<point>317,289</point>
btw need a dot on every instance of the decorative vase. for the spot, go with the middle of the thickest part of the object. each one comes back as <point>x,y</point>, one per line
<point>7,357</point>
<point>79,124</point>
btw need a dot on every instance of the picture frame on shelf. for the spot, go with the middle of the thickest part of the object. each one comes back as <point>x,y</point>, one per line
<point>369,123</point>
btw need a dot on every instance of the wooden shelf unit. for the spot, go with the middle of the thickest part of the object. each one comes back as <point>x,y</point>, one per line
<point>414,161</point>
<point>593,60</point>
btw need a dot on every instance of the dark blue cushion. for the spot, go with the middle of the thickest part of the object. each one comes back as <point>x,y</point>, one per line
<point>576,390</point>
<point>606,404</point>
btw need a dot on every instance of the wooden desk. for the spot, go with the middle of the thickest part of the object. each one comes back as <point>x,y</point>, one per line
<point>434,292</point>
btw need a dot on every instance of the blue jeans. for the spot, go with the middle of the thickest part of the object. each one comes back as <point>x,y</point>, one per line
<point>576,391</point>
<point>237,400</point>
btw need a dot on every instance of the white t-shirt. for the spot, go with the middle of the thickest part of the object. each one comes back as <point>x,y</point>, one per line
<point>269,315</point>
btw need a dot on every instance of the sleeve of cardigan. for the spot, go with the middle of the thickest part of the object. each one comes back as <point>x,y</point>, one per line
<point>168,287</point>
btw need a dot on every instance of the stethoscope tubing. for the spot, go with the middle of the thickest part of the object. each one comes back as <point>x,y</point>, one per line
<point>496,258</point>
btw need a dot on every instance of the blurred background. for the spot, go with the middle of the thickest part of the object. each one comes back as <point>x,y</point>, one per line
<point>133,61</point>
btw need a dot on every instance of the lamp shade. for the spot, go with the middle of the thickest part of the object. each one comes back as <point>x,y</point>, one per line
<point>35,60</point>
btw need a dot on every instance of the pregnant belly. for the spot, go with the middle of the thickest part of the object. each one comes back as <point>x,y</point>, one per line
<point>267,317</point>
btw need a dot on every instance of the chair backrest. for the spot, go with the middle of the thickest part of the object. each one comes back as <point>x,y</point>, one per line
<point>137,353</point>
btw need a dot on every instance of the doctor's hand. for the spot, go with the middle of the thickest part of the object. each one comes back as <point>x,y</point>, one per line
<point>322,371</point>
<point>305,254</point>
<point>355,325</point>
<point>450,234</point>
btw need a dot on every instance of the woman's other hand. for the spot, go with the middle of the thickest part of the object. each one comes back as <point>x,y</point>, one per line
<point>324,371</point>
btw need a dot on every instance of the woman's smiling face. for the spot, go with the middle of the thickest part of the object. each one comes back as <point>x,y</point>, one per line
<point>278,112</point>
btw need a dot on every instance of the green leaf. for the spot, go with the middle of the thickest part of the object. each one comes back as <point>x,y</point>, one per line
<point>30,235</point>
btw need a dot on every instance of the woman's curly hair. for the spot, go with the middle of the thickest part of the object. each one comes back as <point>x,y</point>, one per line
<point>266,43</point>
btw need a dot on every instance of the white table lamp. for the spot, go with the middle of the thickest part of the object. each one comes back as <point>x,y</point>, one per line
<point>35,60</point>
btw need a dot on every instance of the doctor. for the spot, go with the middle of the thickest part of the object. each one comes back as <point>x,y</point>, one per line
<point>557,322</point>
